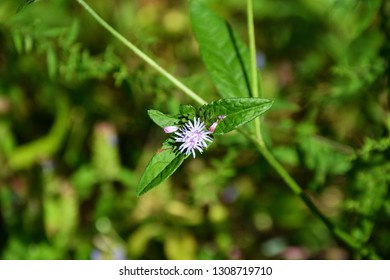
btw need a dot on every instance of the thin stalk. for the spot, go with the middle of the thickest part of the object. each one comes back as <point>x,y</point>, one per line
<point>252,47</point>
<point>341,235</point>
<point>142,55</point>
<point>294,187</point>
<point>254,74</point>
<point>337,232</point>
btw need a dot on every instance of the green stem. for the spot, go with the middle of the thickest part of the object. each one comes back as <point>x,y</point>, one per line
<point>339,234</point>
<point>254,74</point>
<point>142,55</point>
<point>295,188</point>
<point>252,47</point>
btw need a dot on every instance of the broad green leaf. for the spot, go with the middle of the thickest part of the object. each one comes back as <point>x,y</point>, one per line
<point>187,111</point>
<point>24,4</point>
<point>161,119</point>
<point>160,167</point>
<point>237,112</point>
<point>227,59</point>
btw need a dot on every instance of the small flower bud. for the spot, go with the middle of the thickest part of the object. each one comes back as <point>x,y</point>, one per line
<point>221,117</point>
<point>213,126</point>
<point>170,129</point>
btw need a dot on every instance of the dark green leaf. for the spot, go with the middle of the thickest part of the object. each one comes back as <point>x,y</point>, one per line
<point>163,164</point>
<point>227,59</point>
<point>161,119</point>
<point>237,112</point>
<point>187,111</point>
<point>24,3</point>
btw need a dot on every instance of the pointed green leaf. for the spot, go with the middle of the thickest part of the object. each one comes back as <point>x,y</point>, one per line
<point>187,111</point>
<point>236,112</point>
<point>163,164</point>
<point>24,4</point>
<point>161,119</point>
<point>227,59</point>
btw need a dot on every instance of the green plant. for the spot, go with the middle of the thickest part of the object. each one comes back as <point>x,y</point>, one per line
<point>327,127</point>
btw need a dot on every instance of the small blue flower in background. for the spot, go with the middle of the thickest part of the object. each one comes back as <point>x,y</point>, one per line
<point>260,60</point>
<point>193,136</point>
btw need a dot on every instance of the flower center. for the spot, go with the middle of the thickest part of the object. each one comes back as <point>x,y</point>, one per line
<point>193,136</point>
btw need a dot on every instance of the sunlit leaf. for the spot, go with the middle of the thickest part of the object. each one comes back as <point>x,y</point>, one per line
<point>236,112</point>
<point>161,119</point>
<point>24,4</point>
<point>227,59</point>
<point>163,164</point>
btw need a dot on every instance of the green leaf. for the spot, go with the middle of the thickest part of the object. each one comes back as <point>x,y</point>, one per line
<point>237,112</point>
<point>161,119</point>
<point>187,111</point>
<point>163,164</point>
<point>227,59</point>
<point>24,4</point>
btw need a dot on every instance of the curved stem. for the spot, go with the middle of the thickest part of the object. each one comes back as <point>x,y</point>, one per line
<point>294,187</point>
<point>337,232</point>
<point>142,55</point>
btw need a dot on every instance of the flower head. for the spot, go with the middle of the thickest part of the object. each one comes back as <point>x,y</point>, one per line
<point>193,136</point>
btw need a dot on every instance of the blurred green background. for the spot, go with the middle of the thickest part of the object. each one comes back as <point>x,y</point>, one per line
<point>75,136</point>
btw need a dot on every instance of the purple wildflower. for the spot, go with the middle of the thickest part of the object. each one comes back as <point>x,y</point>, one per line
<point>193,136</point>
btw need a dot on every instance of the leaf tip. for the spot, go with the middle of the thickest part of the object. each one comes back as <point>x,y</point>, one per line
<point>140,191</point>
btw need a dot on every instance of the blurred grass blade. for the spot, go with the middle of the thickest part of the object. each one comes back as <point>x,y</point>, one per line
<point>26,155</point>
<point>52,62</point>
<point>227,59</point>
<point>163,164</point>
<point>237,112</point>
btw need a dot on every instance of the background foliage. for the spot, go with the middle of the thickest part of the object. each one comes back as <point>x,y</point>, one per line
<point>75,136</point>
